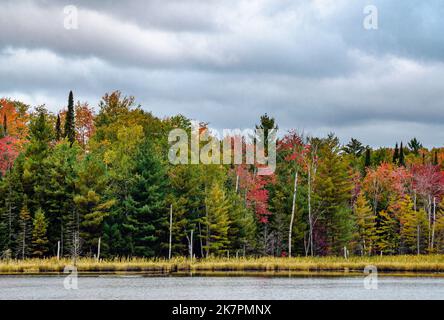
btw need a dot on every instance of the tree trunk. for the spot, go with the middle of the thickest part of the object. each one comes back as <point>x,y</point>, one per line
<point>417,227</point>
<point>171,231</point>
<point>433,222</point>
<point>310,220</point>
<point>290,231</point>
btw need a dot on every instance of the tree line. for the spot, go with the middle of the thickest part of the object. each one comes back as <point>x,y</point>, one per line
<point>76,180</point>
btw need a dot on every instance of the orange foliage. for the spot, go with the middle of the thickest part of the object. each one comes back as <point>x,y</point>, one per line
<point>16,120</point>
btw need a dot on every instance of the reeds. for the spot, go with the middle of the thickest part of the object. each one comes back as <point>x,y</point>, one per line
<point>422,263</point>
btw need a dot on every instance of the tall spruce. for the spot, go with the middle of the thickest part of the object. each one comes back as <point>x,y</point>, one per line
<point>39,239</point>
<point>396,154</point>
<point>70,130</point>
<point>25,232</point>
<point>368,161</point>
<point>401,156</point>
<point>146,218</point>
<point>58,128</point>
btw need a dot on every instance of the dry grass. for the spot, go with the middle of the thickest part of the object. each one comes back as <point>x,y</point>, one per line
<point>429,263</point>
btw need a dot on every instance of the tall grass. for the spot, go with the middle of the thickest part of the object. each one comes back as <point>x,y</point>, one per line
<point>429,263</point>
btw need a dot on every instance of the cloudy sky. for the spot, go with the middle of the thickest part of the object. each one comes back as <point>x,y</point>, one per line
<point>310,63</point>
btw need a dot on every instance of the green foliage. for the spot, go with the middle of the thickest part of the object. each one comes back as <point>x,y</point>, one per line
<point>70,129</point>
<point>354,147</point>
<point>39,239</point>
<point>368,160</point>
<point>24,235</point>
<point>388,233</point>
<point>401,156</point>
<point>365,221</point>
<point>216,221</point>
<point>91,201</point>
<point>415,146</point>
<point>333,193</point>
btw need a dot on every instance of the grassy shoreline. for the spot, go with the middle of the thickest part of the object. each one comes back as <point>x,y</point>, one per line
<point>429,263</point>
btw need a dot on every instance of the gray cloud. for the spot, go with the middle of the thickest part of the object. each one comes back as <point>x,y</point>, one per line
<point>312,65</point>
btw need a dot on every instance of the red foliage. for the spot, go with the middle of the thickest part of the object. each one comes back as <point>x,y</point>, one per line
<point>428,180</point>
<point>294,147</point>
<point>257,194</point>
<point>8,153</point>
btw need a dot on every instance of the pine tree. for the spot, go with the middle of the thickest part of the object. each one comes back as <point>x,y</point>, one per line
<point>59,191</point>
<point>354,147</point>
<point>387,241</point>
<point>396,154</point>
<point>368,161</point>
<point>147,210</point>
<point>25,232</point>
<point>35,166</point>
<point>242,224</point>
<point>58,128</point>
<point>413,225</point>
<point>365,224</point>
<point>11,201</point>
<point>186,198</point>
<point>39,239</point>
<point>216,221</point>
<point>415,146</point>
<point>70,131</point>
<point>267,124</point>
<point>90,200</point>
<point>401,156</point>
<point>435,158</point>
<point>332,195</point>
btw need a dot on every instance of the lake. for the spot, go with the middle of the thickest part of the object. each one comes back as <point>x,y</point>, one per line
<point>214,288</point>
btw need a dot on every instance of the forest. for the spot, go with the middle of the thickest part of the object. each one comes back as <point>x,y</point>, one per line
<point>87,177</point>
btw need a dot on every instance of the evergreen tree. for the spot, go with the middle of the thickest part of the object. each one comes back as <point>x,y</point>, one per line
<point>39,239</point>
<point>186,198</point>
<point>396,154</point>
<point>354,147</point>
<point>415,146</point>
<point>388,233</point>
<point>59,192</point>
<point>91,203</point>
<point>401,156</point>
<point>368,161</point>
<point>11,201</point>
<point>365,224</point>
<point>332,195</point>
<point>25,232</point>
<point>242,225</point>
<point>70,130</point>
<point>388,229</point>
<point>58,128</point>
<point>35,166</point>
<point>120,160</point>
<point>147,217</point>
<point>435,158</point>
<point>413,225</point>
<point>216,221</point>
<point>267,124</point>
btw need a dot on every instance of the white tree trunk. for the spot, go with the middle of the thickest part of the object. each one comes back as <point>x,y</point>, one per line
<point>290,231</point>
<point>171,231</point>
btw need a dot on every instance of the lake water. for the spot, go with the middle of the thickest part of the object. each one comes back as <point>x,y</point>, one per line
<point>235,288</point>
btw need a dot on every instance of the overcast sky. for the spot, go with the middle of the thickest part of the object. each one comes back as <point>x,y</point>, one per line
<point>311,63</point>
